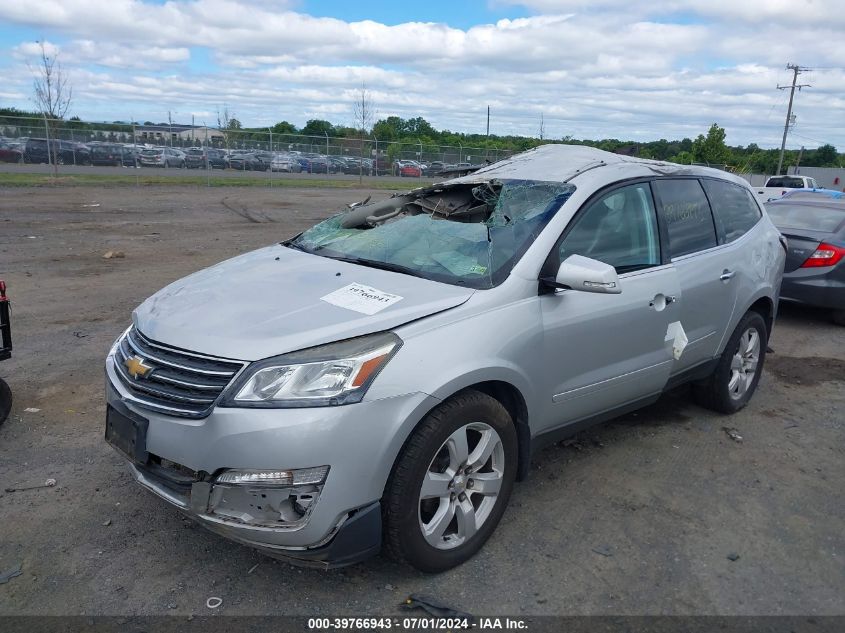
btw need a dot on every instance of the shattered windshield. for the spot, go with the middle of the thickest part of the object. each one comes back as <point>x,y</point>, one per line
<point>465,234</point>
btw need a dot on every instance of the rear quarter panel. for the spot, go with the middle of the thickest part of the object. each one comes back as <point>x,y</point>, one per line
<point>759,267</point>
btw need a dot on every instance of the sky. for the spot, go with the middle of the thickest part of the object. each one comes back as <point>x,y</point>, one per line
<point>593,69</point>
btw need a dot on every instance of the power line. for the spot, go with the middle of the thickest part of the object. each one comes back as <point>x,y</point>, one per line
<point>796,70</point>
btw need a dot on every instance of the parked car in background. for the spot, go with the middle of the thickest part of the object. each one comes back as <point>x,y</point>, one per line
<point>36,151</point>
<point>195,158</point>
<point>216,158</point>
<point>130,156</point>
<point>107,154</point>
<point>263,161</point>
<point>814,226</point>
<point>11,151</point>
<point>776,186</point>
<point>285,163</point>
<point>162,157</point>
<point>204,158</point>
<point>812,194</point>
<point>384,378</point>
<point>356,165</point>
<point>383,166</point>
<point>250,161</point>
<point>337,165</point>
<point>411,170</point>
<point>435,167</point>
<point>313,164</point>
<point>62,152</point>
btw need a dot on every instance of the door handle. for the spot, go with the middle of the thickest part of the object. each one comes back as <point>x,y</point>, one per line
<point>660,301</point>
<point>727,275</point>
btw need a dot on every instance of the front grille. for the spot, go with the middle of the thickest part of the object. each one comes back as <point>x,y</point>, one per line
<point>177,382</point>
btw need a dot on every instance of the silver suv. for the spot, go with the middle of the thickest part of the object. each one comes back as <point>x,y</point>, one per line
<point>382,379</point>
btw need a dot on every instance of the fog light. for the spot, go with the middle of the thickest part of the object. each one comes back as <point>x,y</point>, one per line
<point>298,477</point>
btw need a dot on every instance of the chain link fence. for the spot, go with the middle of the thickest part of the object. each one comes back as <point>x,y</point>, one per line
<point>72,141</point>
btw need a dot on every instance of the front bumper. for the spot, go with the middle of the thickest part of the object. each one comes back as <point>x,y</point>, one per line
<point>821,287</point>
<point>358,442</point>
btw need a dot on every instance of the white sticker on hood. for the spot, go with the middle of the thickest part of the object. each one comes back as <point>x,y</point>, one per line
<point>361,298</point>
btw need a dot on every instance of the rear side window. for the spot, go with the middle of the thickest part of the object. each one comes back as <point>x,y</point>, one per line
<point>734,208</point>
<point>686,214</point>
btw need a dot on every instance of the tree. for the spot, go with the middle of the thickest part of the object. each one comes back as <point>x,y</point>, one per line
<point>226,121</point>
<point>826,156</point>
<point>682,158</point>
<point>388,129</point>
<point>417,127</point>
<point>711,149</point>
<point>317,127</point>
<point>53,95</point>
<point>283,127</point>
<point>363,113</point>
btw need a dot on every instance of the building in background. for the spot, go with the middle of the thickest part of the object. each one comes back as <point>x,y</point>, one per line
<point>164,134</point>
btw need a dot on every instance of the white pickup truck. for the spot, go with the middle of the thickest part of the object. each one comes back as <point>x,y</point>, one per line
<point>776,186</point>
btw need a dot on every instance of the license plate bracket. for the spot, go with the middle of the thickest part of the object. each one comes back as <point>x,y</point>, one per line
<point>127,432</point>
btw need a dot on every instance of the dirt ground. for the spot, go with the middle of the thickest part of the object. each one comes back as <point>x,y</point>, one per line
<point>637,517</point>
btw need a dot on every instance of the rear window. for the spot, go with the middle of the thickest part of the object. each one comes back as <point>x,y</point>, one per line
<point>686,213</point>
<point>807,217</point>
<point>786,182</point>
<point>733,206</point>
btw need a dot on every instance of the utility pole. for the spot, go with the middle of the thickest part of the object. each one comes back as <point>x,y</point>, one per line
<point>542,127</point>
<point>796,70</point>
<point>798,162</point>
<point>488,120</point>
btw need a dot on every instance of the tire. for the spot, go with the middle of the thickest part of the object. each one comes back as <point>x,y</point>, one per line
<point>838,317</point>
<point>731,385</point>
<point>5,400</point>
<point>430,456</point>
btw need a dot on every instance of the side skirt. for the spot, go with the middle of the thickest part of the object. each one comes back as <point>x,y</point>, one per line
<point>546,438</point>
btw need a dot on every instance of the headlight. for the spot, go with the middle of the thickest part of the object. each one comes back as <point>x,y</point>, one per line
<point>328,375</point>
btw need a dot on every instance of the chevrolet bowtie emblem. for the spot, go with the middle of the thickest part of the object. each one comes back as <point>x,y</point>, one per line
<point>137,367</point>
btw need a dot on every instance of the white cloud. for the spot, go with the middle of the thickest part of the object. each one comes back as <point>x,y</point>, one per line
<point>604,68</point>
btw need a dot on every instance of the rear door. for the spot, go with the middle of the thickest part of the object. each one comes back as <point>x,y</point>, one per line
<point>706,269</point>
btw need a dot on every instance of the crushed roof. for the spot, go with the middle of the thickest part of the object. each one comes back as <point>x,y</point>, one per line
<point>558,162</point>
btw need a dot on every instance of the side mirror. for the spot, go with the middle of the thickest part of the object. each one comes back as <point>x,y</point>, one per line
<point>581,273</point>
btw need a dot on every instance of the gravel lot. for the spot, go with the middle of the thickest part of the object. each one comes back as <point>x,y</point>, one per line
<point>665,492</point>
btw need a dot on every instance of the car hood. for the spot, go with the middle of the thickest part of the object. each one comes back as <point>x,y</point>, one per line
<point>271,301</point>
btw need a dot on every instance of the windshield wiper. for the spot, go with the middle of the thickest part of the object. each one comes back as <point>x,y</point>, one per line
<point>371,263</point>
<point>292,244</point>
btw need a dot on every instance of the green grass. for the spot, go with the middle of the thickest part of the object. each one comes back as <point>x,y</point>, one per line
<point>46,180</point>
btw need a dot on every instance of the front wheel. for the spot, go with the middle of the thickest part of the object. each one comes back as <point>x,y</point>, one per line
<point>451,483</point>
<point>731,385</point>
<point>5,400</point>
<point>838,317</point>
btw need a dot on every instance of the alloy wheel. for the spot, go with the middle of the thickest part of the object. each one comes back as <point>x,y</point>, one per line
<point>744,363</point>
<point>461,485</point>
